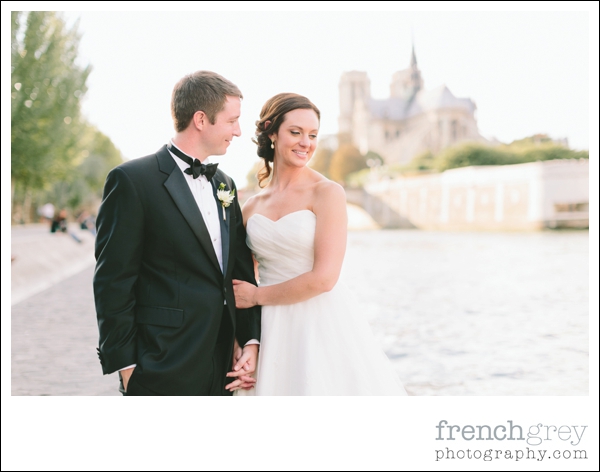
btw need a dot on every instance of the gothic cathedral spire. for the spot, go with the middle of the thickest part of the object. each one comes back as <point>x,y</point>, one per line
<point>413,57</point>
<point>415,74</point>
<point>407,83</point>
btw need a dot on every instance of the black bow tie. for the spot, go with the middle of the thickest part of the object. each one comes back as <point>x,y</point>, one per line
<point>196,168</point>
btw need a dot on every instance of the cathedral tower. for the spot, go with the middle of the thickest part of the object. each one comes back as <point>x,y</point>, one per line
<point>354,87</point>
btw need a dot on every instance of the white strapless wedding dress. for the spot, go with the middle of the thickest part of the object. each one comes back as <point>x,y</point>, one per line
<point>322,346</point>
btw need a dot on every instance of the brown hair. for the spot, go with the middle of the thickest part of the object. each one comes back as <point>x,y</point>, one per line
<point>274,110</point>
<point>203,90</point>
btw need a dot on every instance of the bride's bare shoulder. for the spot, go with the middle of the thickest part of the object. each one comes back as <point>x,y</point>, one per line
<point>326,190</point>
<point>251,205</point>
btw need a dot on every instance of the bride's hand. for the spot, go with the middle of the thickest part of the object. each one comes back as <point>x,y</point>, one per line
<point>243,369</point>
<point>245,294</point>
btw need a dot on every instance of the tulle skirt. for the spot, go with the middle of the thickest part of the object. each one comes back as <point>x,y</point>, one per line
<point>322,346</point>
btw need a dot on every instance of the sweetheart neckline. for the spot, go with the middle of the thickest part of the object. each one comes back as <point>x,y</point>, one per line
<point>281,218</point>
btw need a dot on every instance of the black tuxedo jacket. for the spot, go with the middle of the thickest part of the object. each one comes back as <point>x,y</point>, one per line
<point>158,287</point>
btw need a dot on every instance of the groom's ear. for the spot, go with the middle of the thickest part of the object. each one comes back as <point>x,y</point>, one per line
<point>199,120</point>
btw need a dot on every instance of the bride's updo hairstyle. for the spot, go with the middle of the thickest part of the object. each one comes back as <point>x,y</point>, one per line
<point>271,116</point>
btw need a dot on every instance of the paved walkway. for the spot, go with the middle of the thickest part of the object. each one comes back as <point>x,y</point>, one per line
<point>54,339</point>
<point>42,259</point>
<point>53,320</point>
<point>54,332</point>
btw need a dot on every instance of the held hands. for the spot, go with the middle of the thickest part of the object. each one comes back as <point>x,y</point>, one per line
<point>245,294</point>
<point>244,365</point>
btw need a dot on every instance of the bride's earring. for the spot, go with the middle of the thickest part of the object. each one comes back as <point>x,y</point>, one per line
<point>272,144</point>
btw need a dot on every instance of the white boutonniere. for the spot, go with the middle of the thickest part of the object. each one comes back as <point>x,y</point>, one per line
<point>225,197</point>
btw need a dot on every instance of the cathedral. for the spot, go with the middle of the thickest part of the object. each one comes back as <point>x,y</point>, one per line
<point>411,121</point>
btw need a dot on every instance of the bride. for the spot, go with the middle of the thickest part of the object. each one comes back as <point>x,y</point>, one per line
<point>314,341</point>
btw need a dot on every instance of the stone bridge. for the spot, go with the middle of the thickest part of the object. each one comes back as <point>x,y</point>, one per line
<point>381,212</point>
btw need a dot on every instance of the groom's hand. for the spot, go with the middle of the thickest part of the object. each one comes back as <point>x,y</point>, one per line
<point>125,375</point>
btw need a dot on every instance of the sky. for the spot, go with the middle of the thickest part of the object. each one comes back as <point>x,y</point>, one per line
<point>527,71</point>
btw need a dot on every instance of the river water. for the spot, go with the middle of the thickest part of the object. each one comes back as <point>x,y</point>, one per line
<point>481,313</point>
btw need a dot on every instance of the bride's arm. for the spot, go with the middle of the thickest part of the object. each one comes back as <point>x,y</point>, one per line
<point>330,246</point>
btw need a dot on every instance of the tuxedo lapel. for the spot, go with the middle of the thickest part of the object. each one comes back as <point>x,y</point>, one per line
<point>224,223</point>
<point>183,198</point>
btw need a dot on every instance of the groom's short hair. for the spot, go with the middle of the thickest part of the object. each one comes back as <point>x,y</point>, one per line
<point>203,90</point>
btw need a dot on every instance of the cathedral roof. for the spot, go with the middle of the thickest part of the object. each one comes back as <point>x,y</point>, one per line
<point>396,108</point>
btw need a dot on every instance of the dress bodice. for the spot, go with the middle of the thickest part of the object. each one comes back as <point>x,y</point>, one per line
<point>284,248</point>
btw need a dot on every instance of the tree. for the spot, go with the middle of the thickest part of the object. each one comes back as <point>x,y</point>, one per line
<point>251,176</point>
<point>518,152</point>
<point>46,88</point>
<point>472,154</point>
<point>345,160</point>
<point>321,160</point>
<point>83,186</point>
<point>373,159</point>
<point>540,147</point>
<point>423,161</point>
<point>535,139</point>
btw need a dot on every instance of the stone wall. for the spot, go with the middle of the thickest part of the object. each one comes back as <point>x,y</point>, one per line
<point>531,196</point>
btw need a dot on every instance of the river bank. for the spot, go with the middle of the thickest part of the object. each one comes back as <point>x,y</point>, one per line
<point>460,313</point>
<point>42,259</point>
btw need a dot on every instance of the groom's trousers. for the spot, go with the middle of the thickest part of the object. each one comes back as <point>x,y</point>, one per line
<point>222,363</point>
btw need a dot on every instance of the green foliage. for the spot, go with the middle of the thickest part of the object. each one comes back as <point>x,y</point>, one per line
<point>46,88</point>
<point>99,157</point>
<point>529,140</point>
<point>56,156</point>
<point>82,187</point>
<point>529,152</point>
<point>531,149</point>
<point>251,176</point>
<point>358,178</point>
<point>472,154</point>
<point>423,161</point>
<point>321,160</point>
<point>346,164</point>
<point>344,161</point>
<point>373,159</point>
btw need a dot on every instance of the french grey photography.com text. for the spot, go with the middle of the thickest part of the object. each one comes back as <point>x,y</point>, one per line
<point>554,441</point>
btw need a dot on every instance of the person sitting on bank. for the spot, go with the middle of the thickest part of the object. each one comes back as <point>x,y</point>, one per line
<point>59,222</point>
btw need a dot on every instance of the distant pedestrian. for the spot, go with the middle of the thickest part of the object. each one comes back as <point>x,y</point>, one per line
<point>87,221</point>
<point>59,222</point>
<point>59,225</point>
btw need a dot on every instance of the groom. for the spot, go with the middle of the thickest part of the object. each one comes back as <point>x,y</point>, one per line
<point>167,248</point>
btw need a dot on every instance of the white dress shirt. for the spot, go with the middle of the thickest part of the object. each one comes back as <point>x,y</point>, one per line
<point>202,190</point>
